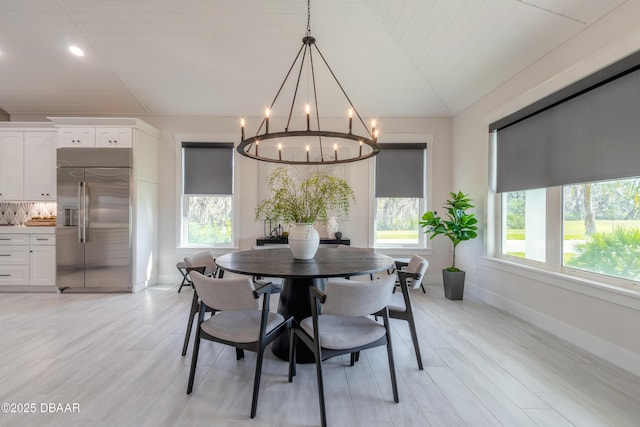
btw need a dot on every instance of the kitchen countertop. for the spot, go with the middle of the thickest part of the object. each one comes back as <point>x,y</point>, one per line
<point>15,229</point>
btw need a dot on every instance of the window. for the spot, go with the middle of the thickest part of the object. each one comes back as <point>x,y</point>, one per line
<point>207,195</point>
<point>400,194</point>
<point>579,147</point>
<point>523,233</point>
<point>601,227</point>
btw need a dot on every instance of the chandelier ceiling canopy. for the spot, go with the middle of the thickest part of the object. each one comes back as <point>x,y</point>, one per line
<point>310,145</point>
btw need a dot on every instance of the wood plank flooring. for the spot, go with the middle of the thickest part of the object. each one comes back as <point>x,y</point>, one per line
<point>118,357</point>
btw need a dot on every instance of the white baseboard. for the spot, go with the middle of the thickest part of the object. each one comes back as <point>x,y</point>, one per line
<point>606,350</point>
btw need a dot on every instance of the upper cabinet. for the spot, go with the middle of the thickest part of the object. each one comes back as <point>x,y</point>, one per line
<point>95,137</point>
<point>77,137</point>
<point>114,137</point>
<point>40,166</point>
<point>27,162</point>
<point>11,165</point>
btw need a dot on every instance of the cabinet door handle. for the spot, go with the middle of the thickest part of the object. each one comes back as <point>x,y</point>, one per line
<point>46,240</point>
<point>5,254</point>
<point>5,275</point>
<point>5,239</point>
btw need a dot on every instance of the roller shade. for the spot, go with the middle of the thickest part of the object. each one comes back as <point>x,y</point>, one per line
<point>590,136</point>
<point>400,170</point>
<point>207,168</point>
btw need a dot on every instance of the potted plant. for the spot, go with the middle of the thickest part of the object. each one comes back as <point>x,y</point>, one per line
<point>458,226</point>
<point>302,202</point>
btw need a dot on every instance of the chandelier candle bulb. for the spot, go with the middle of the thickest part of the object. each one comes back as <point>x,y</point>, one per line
<point>242,127</point>
<point>335,150</point>
<point>266,121</point>
<point>308,110</point>
<point>308,153</point>
<point>351,126</point>
<point>360,148</point>
<point>279,151</point>
<point>257,144</point>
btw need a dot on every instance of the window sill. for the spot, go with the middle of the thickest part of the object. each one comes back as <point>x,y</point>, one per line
<point>604,291</point>
<point>404,252</point>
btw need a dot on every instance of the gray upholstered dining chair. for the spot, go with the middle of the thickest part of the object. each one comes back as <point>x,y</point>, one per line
<point>411,266</point>
<point>238,321</point>
<point>344,325</point>
<point>400,306</point>
<point>203,263</point>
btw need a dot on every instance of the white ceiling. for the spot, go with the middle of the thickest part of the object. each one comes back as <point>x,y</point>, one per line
<point>228,57</point>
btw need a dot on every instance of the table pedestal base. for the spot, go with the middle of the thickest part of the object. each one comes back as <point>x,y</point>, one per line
<point>295,301</point>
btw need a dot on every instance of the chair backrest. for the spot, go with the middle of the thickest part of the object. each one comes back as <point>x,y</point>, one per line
<point>354,248</point>
<point>202,259</point>
<point>417,265</point>
<point>225,294</point>
<point>357,298</point>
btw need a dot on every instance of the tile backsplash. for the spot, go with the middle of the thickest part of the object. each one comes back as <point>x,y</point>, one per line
<point>18,213</point>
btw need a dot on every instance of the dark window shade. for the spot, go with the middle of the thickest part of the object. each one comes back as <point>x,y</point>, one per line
<point>207,168</point>
<point>590,137</point>
<point>400,170</point>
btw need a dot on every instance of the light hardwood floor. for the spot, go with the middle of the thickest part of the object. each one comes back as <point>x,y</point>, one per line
<point>118,357</point>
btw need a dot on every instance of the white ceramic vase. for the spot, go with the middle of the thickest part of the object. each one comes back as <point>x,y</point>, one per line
<point>303,241</point>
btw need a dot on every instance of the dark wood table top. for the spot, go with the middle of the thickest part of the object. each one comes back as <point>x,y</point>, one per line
<point>328,262</point>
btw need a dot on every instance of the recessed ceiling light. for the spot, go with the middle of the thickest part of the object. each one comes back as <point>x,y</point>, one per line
<point>76,50</point>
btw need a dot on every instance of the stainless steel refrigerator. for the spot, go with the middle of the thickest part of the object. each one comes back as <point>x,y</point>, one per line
<point>93,230</point>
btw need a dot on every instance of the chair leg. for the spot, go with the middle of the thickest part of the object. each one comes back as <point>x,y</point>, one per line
<point>256,382</point>
<point>355,357</point>
<point>185,280</point>
<point>422,287</point>
<point>194,361</point>
<point>323,415</point>
<point>239,353</point>
<point>192,313</point>
<point>292,354</point>
<point>392,369</point>
<point>414,338</point>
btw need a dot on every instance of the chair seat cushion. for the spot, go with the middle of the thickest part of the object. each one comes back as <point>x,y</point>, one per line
<point>340,332</point>
<point>397,303</point>
<point>239,326</point>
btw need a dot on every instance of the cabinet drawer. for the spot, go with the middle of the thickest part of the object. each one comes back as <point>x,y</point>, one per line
<point>14,255</point>
<point>42,239</point>
<point>14,239</point>
<point>14,275</point>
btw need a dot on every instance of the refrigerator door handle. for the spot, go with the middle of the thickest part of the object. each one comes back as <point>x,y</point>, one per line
<point>82,219</point>
<point>85,207</point>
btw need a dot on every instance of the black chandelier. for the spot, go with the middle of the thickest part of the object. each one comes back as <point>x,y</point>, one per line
<point>347,146</point>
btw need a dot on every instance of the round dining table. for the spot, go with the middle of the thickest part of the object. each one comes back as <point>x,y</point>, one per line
<point>298,276</point>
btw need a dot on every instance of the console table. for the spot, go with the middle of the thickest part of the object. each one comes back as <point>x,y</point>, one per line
<point>284,241</point>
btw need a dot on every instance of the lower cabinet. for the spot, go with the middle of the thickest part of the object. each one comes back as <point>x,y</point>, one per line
<point>27,259</point>
<point>42,266</point>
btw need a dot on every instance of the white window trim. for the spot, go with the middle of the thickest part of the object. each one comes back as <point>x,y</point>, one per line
<point>424,246</point>
<point>179,138</point>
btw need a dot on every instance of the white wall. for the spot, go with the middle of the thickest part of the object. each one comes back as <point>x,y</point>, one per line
<point>603,322</point>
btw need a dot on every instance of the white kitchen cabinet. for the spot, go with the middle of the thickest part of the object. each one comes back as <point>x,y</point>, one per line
<point>40,166</point>
<point>77,137</point>
<point>42,264</point>
<point>14,259</point>
<point>11,165</point>
<point>28,258</point>
<point>114,137</point>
